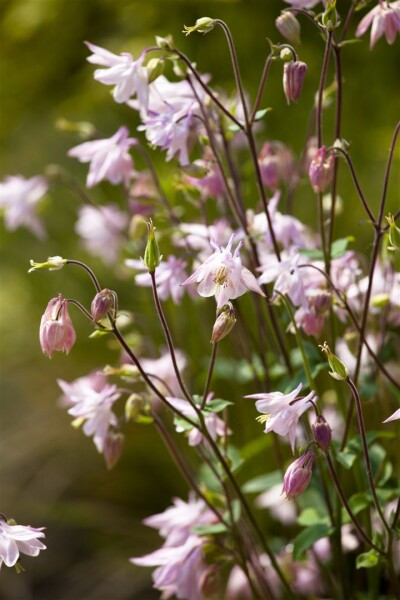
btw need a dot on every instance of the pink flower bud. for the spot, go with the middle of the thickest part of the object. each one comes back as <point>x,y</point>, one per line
<point>56,333</point>
<point>289,27</point>
<point>321,170</point>
<point>293,78</point>
<point>102,304</point>
<point>112,450</point>
<point>298,475</point>
<point>223,325</point>
<point>276,164</point>
<point>322,433</point>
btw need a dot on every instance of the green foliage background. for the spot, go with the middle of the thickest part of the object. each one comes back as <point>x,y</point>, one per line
<point>51,474</point>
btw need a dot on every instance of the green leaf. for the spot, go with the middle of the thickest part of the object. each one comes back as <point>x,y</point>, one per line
<point>308,537</point>
<point>262,483</point>
<point>339,247</point>
<point>360,501</point>
<point>310,516</point>
<point>217,405</point>
<point>182,423</point>
<point>209,529</point>
<point>349,42</point>
<point>367,560</point>
<point>99,333</point>
<point>261,113</point>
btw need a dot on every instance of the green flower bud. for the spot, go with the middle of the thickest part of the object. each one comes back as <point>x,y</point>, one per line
<point>339,369</point>
<point>152,256</point>
<point>394,235</point>
<point>165,43</point>
<point>155,68</point>
<point>203,25</point>
<point>330,18</point>
<point>54,263</point>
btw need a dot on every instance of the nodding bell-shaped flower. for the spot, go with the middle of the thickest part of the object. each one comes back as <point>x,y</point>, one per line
<point>298,475</point>
<point>289,27</point>
<point>321,170</point>
<point>293,79</point>
<point>56,332</point>
<point>102,303</point>
<point>222,275</point>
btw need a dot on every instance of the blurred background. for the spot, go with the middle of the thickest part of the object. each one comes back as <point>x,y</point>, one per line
<point>51,474</point>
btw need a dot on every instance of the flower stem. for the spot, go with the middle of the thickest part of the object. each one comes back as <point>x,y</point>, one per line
<point>367,459</point>
<point>209,375</point>
<point>88,270</point>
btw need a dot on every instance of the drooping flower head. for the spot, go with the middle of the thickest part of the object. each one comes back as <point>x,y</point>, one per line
<point>18,539</point>
<point>109,158</point>
<point>222,275</point>
<point>19,198</point>
<point>384,19</point>
<point>56,333</point>
<point>298,475</point>
<point>281,412</point>
<point>129,76</point>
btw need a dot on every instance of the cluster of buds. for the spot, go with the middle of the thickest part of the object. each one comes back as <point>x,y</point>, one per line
<point>56,333</point>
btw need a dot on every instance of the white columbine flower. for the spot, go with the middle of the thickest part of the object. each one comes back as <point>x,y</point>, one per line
<point>281,413</point>
<point>222,275</point>
<point>91,405</point>
<point>18,539</point>
<point>19,197</point>
<point>109,158</point>
<point>128,75</point>
<point>394,416</point>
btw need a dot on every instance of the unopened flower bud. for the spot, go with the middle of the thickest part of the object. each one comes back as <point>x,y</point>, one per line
<point>394,235</point>
<point>289,27</point>
<point>298,475</point>
<point>223,324</point>
<point>53,263</point>
<point>56,333</point>
<point>321,170</point>
<point>165,43</point>
<point>152,256</point>
<point>155,68</point>
<point>293,78</point>
<point>202,25</point>
<point>339,369</point>
<point>102,304</point>
<point>322,433</point>
<point>112,450</point>
<point>134,406</point>
<point>330,18</point>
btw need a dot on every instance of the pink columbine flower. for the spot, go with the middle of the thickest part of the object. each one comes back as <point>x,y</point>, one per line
<point>321,169</point>
<point>101,229</point>
<point>91,400</point>
<point>170,130</point>
<point>280,413</point>
<point>19,197</point>
<point>128,75</point>
<point>394,416</point>
<point>222,275</point>
<point>384,19</point>
<point>289,279</point>
<point>170,275</point>
<point>18,539</point>
<point>302,3</point>
<point>109,158</point>
<point>56,333</point>
<point>298,475</point>
<point>181,569</point>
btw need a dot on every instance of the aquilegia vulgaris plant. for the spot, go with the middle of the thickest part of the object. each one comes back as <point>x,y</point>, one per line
<point>296,304</point>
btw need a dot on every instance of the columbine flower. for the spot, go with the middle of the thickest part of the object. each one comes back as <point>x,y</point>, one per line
<point>170,275</point>
<point>321,170</point>
<point>182,571</point>
<point>394,416</point>
<point>276,164</point>
<point>223,276</point>
<point>100,228</point>
<point>298,475</point>
<point>53,263</point>
<point>128,75</point>
<point>18,539</point>
<point>91,400</point>
<point>293,79</point>
<point>109,158</point>
<point>19,197</point>
<point>210,184</point>
<point>170,131</point>
<point>56,333</point>
<point>102,303</point>
<point>281,413</point>
<point>289,279</point>
<point>385,20</point>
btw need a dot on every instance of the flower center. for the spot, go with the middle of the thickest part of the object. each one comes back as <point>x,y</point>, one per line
<point>221,276</point>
